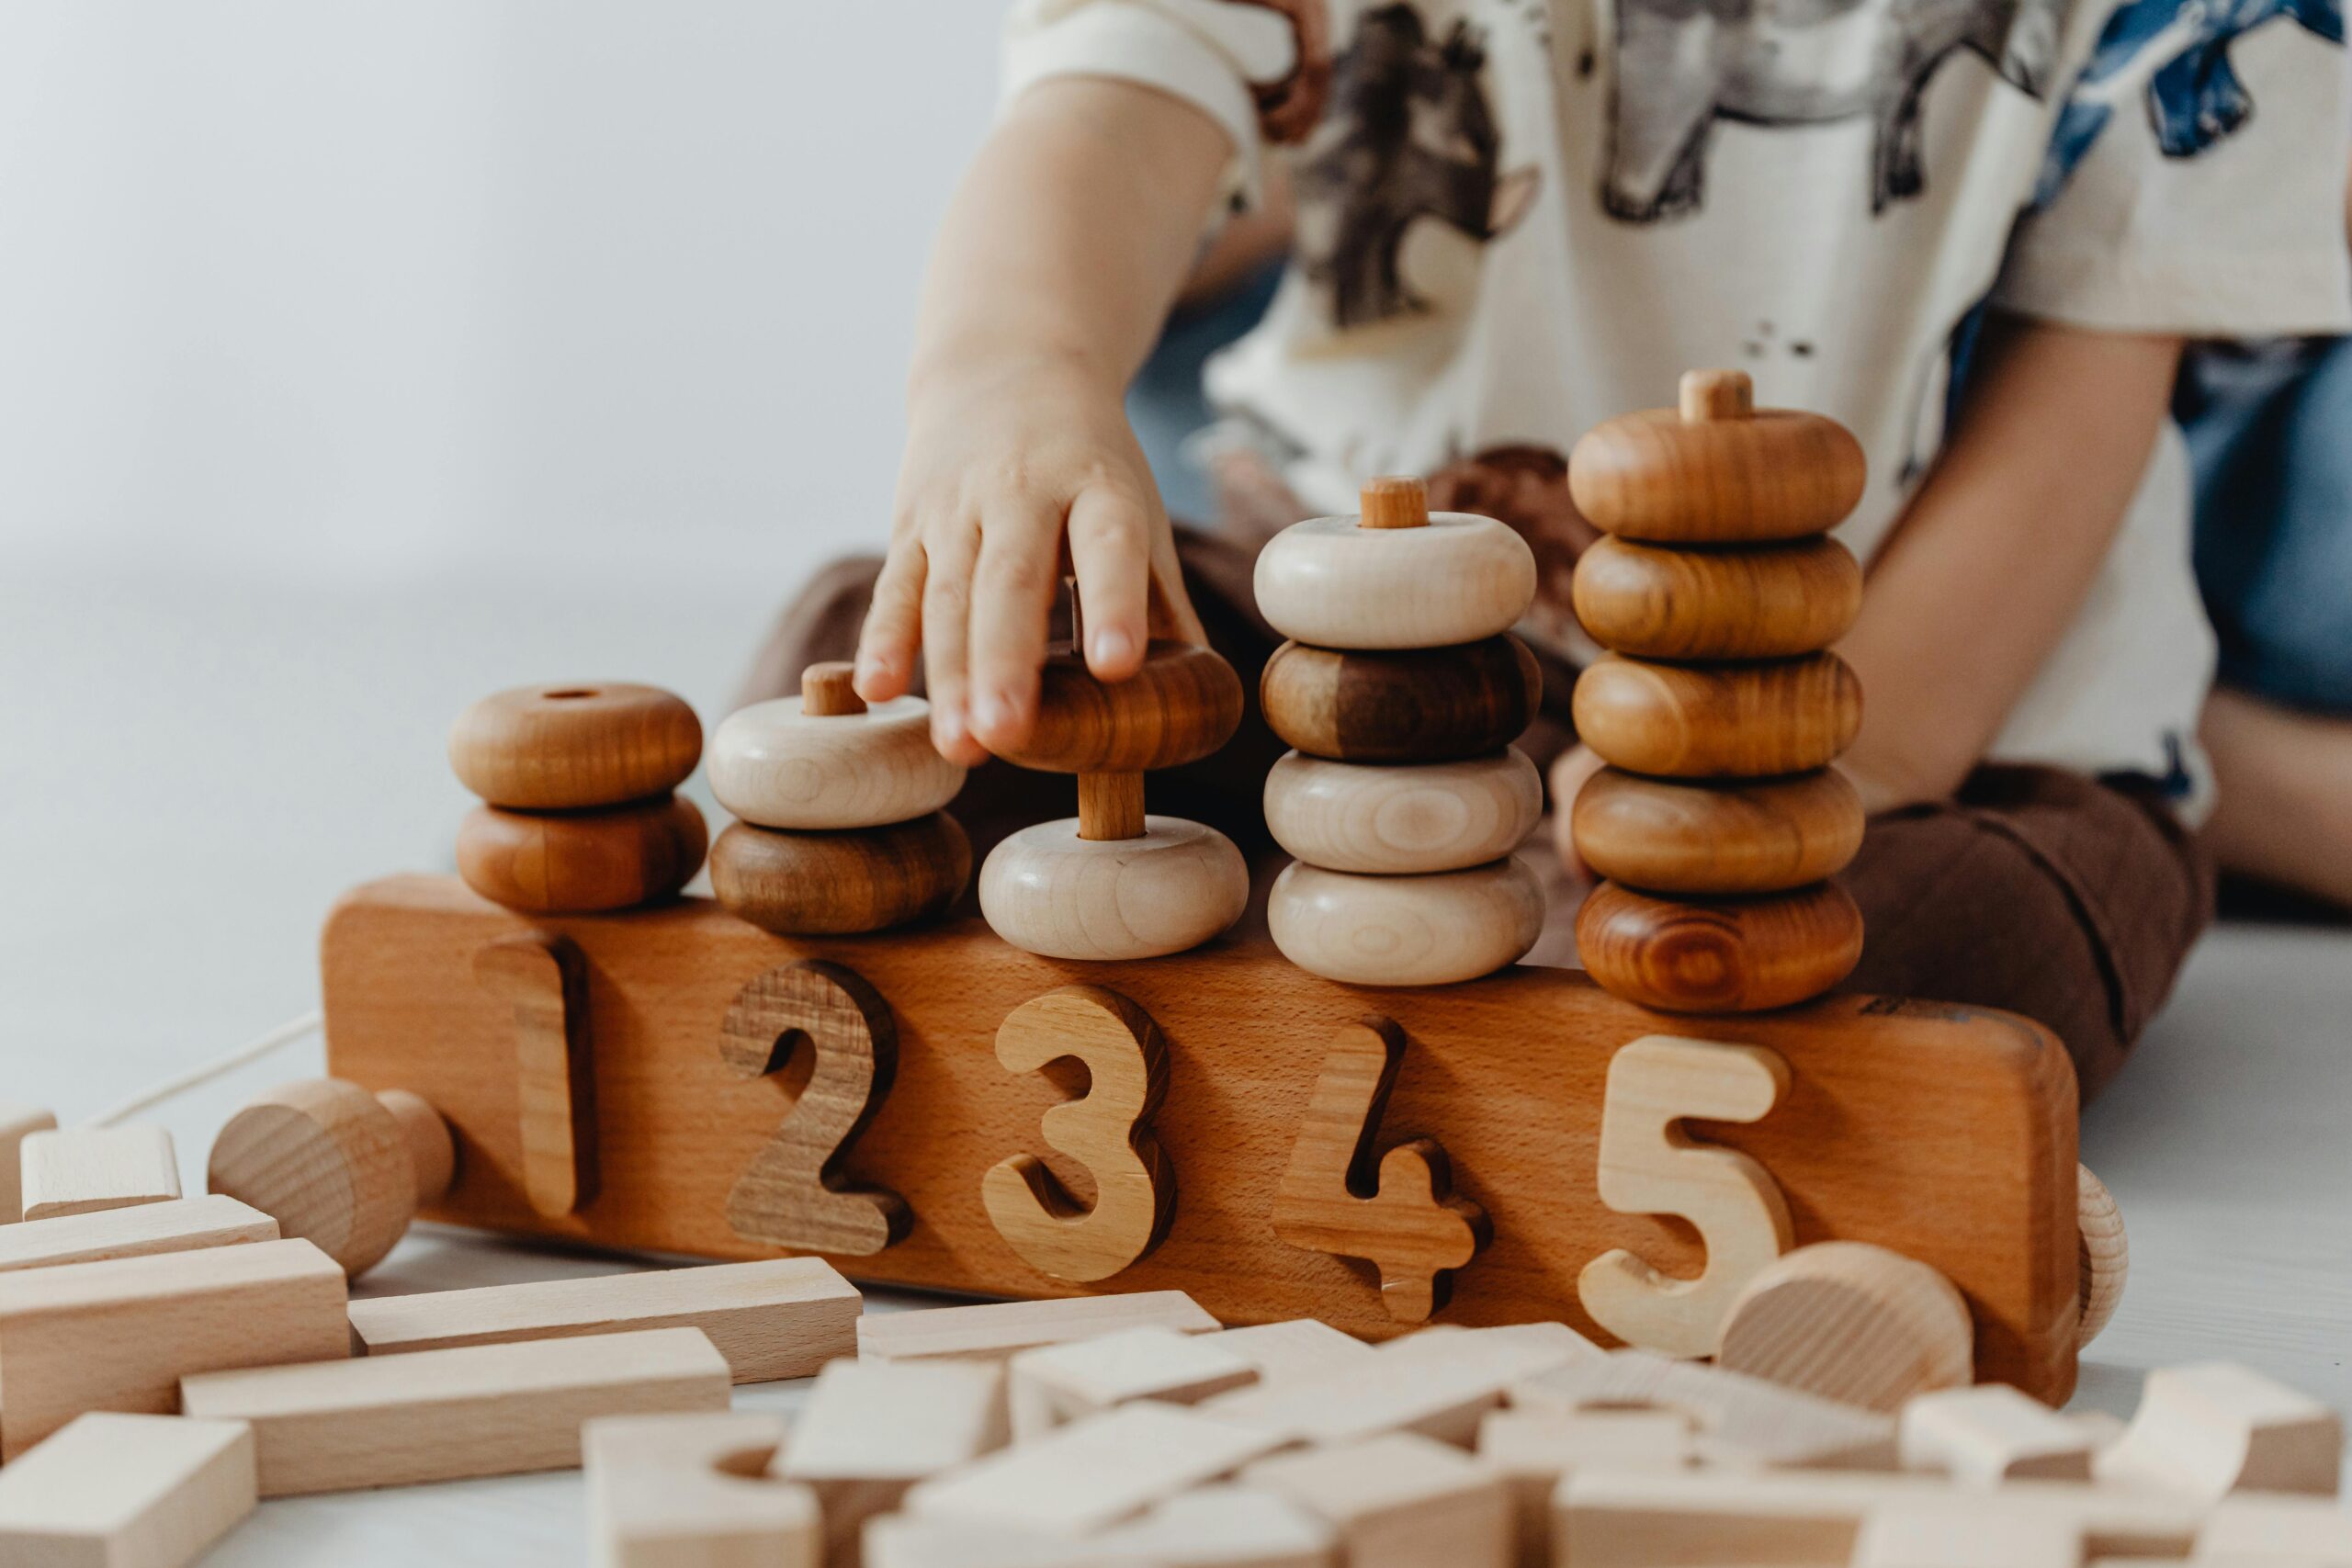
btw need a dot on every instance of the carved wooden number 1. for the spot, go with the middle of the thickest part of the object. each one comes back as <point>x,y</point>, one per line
<point>793,1194</point>
<point>543,979</point>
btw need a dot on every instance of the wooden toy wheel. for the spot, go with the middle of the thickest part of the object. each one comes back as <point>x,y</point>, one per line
<point>2103,1258</point>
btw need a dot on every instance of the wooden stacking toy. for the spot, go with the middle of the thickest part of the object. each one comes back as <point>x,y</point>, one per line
<point>1400,691</point>
<point>577,815</point>
<point>842,828</point>
<point>336,1166</point>
<point>1112,882</point>
<point>1720,819</point>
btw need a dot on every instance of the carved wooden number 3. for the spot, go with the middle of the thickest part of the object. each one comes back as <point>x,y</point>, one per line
<point>1109,1131</point>
<point>793,1194</point>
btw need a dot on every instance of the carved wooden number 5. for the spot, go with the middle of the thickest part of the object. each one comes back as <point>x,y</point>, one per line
<point>793,1194</point>
<point>1649,1166</point>
<point>1109,1131</point>
<point>1396,1211</point>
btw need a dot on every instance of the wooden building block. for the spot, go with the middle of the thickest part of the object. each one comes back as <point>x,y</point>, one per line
<point>336,1165</point>
<point>1852,1323</point>
<point>445,1415</point>
<point>782,1318</point>
<point>1399,1501</point>
<point>176,1224</point>
<point>1739,1420</point>
<point>2270,1528</point>
<point>1990,1433</point>
<point>1092,1472</point>
<point>16,1123</point>
<point>118,1334</point>
<point>115,1491</point>
<point>691,1491</point>
<point>2218,1427</point>
<point>1961,1532</point>
<point>872,1429</point>
<point>1218,1525</point>
<point>999,1328</point>
<point>1057,1383</point>
<point>1535,1451</point>
<point>1294,1347</point>
<point>83,1169</point>
<point>1436,1384</point>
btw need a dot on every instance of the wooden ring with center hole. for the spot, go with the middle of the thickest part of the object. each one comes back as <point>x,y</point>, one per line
<point>1049,891</point>
<point>1402,821</point>
<point>1331,583</point>
<point>583,861</point>
<point>839,883</point>
<point>1719,954</point>
<point>1433,705</point>
<point>335,1164</point>
<point>1746,478</point>
<point>1761,837</point>
<point>1404,931</point>
<point>1718,721</point>
<point>1184,704</point>
<point>777,765</point>
<point>1766,602</point>
<point>569,746</point>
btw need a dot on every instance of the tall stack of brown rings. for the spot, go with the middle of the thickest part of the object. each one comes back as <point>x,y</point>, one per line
<point>1719,822</point>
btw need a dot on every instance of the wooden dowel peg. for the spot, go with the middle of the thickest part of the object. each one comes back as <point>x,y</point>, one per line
<point>1109,806</point>
<point>1716,394</point>
<point>825,690</point>
<point>1397,500</point>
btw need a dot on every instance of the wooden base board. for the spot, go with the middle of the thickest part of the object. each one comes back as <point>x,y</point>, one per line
<point>1944,1132</point>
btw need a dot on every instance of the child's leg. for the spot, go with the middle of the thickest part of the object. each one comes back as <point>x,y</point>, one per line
<point>2039,891</point>
<point>2284,808</point>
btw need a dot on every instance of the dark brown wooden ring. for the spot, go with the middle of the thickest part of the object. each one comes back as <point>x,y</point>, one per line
<point>1427,705</point>
<point>1183,705</point>
<point>837,884</point>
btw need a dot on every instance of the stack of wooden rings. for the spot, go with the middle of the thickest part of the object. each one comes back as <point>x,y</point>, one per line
<point>1113,883</point>
<point>842,828</point>
<point>1720,819</point>
<point>1401,691</point>
<point>578,816</point>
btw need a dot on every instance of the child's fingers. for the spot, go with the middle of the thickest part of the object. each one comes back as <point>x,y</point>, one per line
<point>1108,548</point>
<point>893,630</point>
<point>946,629</point>
<point>1012,596</point>
<point>1171,605</point>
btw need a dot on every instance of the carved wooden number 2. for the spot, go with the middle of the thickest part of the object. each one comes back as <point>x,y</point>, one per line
<point>1109,1131</point>
<point>793,1194</point>
<point>1649,1166</point>
<point>1396,1211</point>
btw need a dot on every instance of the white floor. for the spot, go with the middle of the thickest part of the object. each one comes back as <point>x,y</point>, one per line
<point>191,770</point>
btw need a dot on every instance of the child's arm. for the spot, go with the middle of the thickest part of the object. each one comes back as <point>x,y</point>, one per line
<point>1990,562</point>
<point>1058,259</point>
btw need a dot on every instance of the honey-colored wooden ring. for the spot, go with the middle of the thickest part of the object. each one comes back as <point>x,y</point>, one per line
<point>1767,602</point>
<point>1718,721</point>
<point>1047,891</point>
<point>1436,704</point>
<point>1404,931</point>
<point>777,765</point>
<point>1763,837</point>
<point>840,884</point>
<point>1720,954</point>
<point>569,746</point>
<point>580,863</point>
<point>1332,583</point>
<point>1776,474</point>
<point>1391,821</point>
<point>1183,705</point>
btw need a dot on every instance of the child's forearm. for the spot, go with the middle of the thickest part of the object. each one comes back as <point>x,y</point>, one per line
<point>1990,563</point>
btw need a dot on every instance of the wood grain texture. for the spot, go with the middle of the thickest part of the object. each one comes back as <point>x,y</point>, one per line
<point>2215,1427</point>
<point>1217,1526</point>
<point>1776,474</point>
<point>1438,1382</point>
<point>1850,1322</point>
<point>1109,806</point>
<point>1091,1474</point>
<point>1650,1166</point>
<point>1396,1210</point>
<point>1536,1449</point>
<point>843,883</point>
<point>1046,890</point>
<point>1437,705</point>
<point>994,1330</point>
<point>872,1429</point>
<point>115,1491</point>
<point>1719,954</point>
<point>1399,1501</point>
<point>776,764</point>
<point>1402,820</point>
<point>1055,1384</point>
<point>1945,1132</point>
<point>1991,1433</point>
<point>333,1164</point>
<point>1764,602</point>
<point>1184,704</point>
<point>1737,1422</point>
<point>179,1225</point>
<point>577,862</point>
<point>1768,835</point>
<point>691,1490</point>
<point>1718,721</point>
<point>568,747</point>
<point>2105,1258</point>
<point>1437,930</point>
<point>1106,1132</point>
<point>16,1123</point>
<point>1459,578</point>
<point>542,978</point>
<point>82,1171</point>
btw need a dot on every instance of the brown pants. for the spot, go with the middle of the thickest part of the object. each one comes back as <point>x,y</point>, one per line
<point>2036,890</point>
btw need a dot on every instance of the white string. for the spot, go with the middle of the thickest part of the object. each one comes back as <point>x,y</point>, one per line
<point>277,1039</point>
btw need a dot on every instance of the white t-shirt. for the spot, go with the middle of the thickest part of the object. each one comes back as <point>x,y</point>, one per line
<point>1518,218</point>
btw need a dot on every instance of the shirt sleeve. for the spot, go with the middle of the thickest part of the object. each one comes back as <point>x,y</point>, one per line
<point>2195,179</point>
<point>1230,59</point>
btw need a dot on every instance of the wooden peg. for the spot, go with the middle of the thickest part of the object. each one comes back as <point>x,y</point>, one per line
<point>2104,1257</point>
<point>176,1224</point>
<point>16,1123</point>
<point>1719,954</point>
<point>1399,1501</point>
<point>1764,836</point>
<point>2217,1427</point>
<point>1755,602</point>
<point>336,1165</point>
<point>82,1171</point>
<point>1406,931</point>
<point>1716,471</point>
<point>691,1491</point>
<point>1454,578</point>
<point>1399,501</point>
<point>1649,1166</point>
<point>1055,1384</point>
<point>1396,1211</point>
<point>1109,806</point>
<point>841,883</point>
<point>1992,1432</point>
<point>1697,721</point>
<point>826,760</point>
<point>569,747</point>
<point>1716,394</point>
<point>1403,821</point>
<point>999,1328</point>
<point>1431,704</point>
<point>1737,1421</point>
<point>545,979</point>
<point>114,1490</point>
<point>826,690</point>
<point>1850,1322</point>
<point>583,862</point>
<point>871,1430</point>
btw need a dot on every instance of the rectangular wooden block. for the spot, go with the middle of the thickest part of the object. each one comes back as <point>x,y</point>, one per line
<point>691,1491</point>
<point>445,1415</point>
<point>1295,1347</point>
<point>1056,1383</point>
<point>178,1225</point>
<point>1535,1451</point>
<point>1399,1501</point>
<point>1439,1385</point>
<point>781,1317</point>
<point>1992,1432</point>
<point>872,1429</point>
<point>16,1123</point>
<point>1945,1132</point>
<point>2218,1427</point>
<point>119,1335</point>
<point>83,1169</point>
<point>1218,1525</point>
<point>1739,1419</point>
<point>114,1490</point>
<point>997,1330</point>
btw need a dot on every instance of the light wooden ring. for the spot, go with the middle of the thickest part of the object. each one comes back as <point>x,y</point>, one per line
<point>569,747</point>
<point>839,883</point>
<point>581,863</point>
<point>1393,821</point>
<point>1184,704</point>
<point>775,765</point>
<point>1768,602</point>
<point>1331,583</point>
<point>1047,891</point>
<point>1774,474</point>
<point>1853,1323</point>
<point>1722,954</point>
<point>1718,721</point>
<point>1762,837</point>
<point>1406,931</point>
<point>2103,1256</point>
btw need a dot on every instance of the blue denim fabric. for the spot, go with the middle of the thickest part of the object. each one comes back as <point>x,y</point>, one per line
<point>1165,402</point>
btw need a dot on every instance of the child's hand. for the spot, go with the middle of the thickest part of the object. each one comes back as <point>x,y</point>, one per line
<point>1010,481</point>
